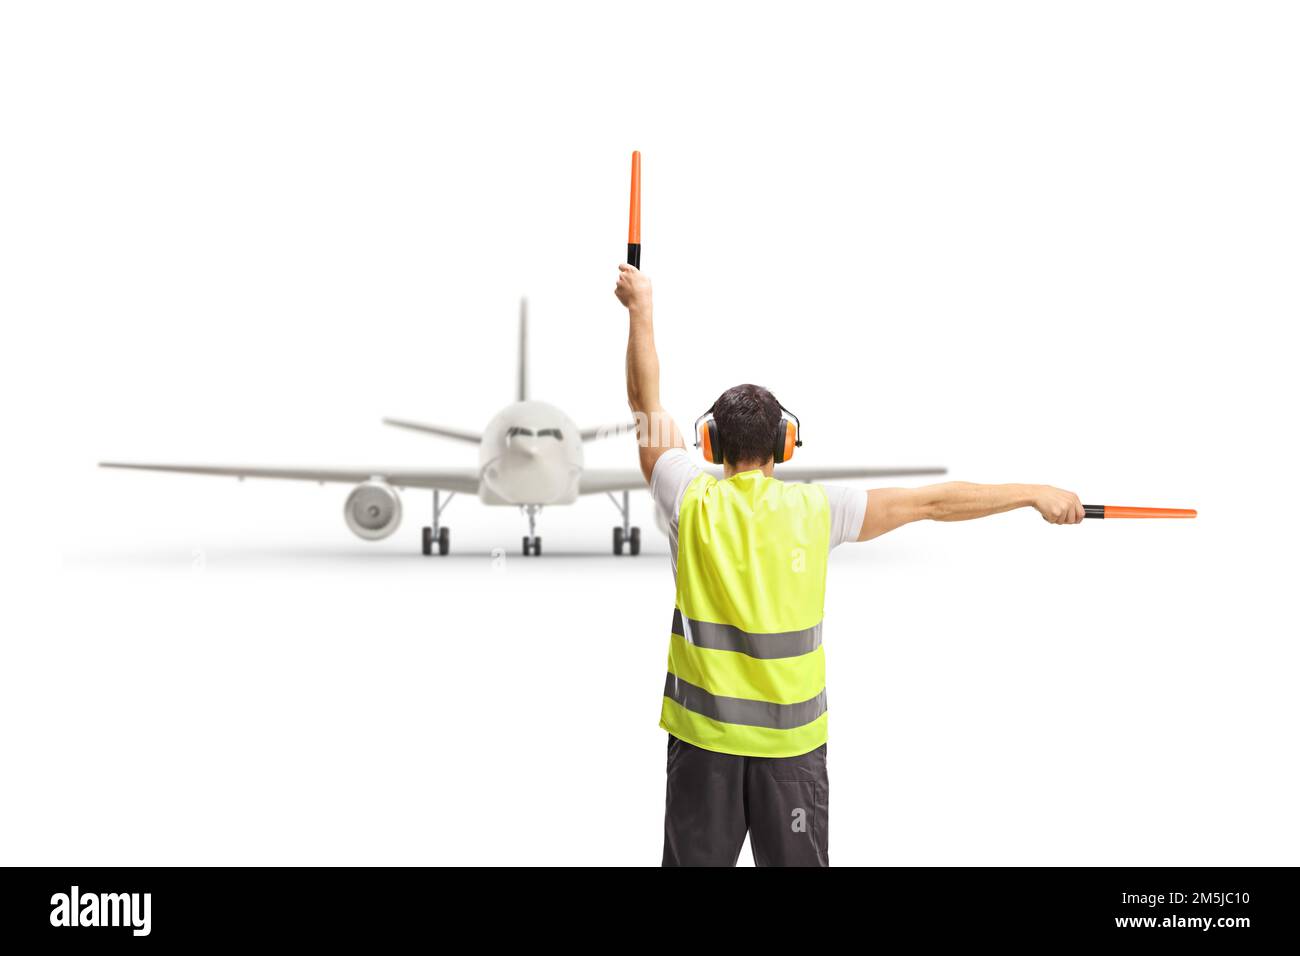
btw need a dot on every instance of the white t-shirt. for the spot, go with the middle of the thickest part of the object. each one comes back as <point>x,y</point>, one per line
<point>674,471</point>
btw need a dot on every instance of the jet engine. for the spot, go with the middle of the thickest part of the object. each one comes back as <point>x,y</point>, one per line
<point>373,510</point>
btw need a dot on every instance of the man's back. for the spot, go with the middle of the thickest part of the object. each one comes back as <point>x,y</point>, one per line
<point>746,670</point>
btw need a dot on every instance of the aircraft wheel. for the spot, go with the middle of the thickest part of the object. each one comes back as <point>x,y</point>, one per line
<point>618,540</point>
<point>426,544</point>
<point>444,540</point>
<point>537,546</point>
<point>634,541</point>
<point>528,546</point>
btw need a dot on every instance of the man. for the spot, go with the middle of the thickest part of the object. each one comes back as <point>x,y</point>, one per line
<point>745,701</point>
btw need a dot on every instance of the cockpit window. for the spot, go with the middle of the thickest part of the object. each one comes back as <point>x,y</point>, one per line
<point>529,433</point>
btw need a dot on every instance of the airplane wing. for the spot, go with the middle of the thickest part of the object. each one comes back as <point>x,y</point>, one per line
<point>446,479</point>
<point>598,480</point>
<point>795,473</point>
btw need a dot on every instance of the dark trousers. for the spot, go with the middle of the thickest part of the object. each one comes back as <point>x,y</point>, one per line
<point>714,799</point>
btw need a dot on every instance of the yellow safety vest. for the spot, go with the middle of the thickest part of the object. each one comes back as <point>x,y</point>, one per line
<point>746,671</point>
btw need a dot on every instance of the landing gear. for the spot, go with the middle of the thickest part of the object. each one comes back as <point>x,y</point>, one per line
<point>437,534</point>
<point>631,539</point>
<point>625,534</point>
<point>532,542</point>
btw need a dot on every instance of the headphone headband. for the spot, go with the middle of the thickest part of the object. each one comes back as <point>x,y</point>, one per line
<point>792,415</point>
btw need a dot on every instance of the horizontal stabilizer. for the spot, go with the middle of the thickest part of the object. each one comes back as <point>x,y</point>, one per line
<point>607,431</point>
<point>459,434</point>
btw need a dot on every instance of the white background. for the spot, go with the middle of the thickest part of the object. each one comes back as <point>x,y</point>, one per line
<point>1033,242</point>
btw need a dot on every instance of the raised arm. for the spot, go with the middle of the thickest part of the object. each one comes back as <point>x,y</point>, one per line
<point>656,432</point>
<point>890,508</point>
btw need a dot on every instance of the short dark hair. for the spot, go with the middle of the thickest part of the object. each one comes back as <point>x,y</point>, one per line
<point>748,417</point>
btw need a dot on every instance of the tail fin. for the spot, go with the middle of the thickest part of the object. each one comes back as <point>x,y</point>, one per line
<point>523,351</point>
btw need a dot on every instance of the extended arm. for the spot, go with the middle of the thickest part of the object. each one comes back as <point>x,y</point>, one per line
<point>890,508</point>
<point>656,432</point>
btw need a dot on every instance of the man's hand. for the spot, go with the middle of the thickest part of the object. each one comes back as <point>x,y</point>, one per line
<point>1057,506</point>
<point>633,289</point>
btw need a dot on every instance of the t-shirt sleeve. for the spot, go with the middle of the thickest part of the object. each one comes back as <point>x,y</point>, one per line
<point>673,472</point>
<point>848,509</point>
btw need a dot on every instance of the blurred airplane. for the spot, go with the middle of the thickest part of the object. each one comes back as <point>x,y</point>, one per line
<point>530,457</point>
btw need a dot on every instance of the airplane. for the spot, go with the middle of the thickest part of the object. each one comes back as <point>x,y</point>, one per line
<point>530,457</point>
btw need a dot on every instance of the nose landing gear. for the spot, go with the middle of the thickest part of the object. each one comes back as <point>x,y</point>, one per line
<point>625,535</point>
<point>532,541</point>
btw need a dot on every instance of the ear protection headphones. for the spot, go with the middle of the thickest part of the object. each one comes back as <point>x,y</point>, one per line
<point>784,442</point>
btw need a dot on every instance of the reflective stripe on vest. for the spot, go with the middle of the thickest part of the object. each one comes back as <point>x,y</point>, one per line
<point>746,669</point>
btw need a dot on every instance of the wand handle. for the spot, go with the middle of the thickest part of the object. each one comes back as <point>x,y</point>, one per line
<point>1120,511</point>
<point>634,215</point>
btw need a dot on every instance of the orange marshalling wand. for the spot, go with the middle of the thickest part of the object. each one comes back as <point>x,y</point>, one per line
<point>634,215</point>
<point>1120,511</point>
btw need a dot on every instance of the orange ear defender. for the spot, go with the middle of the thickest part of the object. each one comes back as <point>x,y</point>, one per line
<point>786,440</point>
<point>707,439</point>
